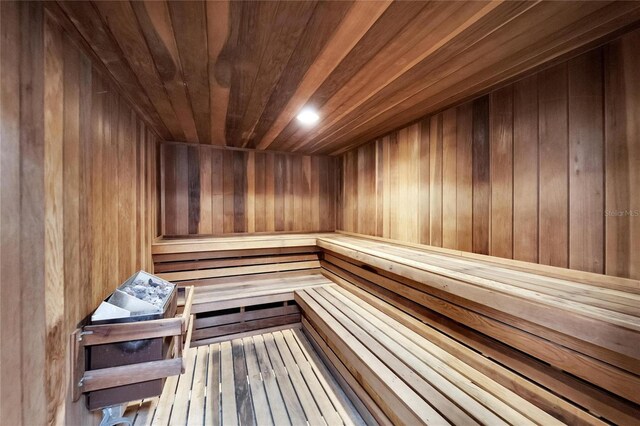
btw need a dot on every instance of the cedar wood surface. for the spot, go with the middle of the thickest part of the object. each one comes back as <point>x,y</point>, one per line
<point>237,73</point>
<point>212,191</point>
<point>78,207</point>
<point>529,171</point>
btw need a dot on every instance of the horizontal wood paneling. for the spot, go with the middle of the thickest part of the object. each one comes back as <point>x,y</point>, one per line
<point>541,170</point>
<point>78,209</point>
<point>213,191</point>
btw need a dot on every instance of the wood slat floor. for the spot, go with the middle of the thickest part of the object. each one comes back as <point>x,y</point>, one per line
<point>269,379</point>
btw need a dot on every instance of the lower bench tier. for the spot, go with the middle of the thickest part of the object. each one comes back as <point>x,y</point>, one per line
<point>413,378</point>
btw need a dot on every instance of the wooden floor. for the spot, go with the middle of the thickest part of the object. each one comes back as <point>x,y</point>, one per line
<point>273,378</point>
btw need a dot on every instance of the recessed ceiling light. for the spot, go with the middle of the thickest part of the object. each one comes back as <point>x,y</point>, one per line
<point>308,116</point>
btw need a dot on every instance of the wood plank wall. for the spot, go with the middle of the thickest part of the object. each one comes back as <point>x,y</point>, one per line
<point>208,190</point>
<point>78,203</point>
<point>544,170</point>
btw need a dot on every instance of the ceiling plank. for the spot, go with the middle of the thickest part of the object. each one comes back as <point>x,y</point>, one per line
<point>87,21</point>
<point>286,29</point>
<point>218,33</point>
<point>416,43</point>
<point>395,18</point>
<point>237,73</point>
<point>123,25</point>
<point>321,27</point>
<point>553,30</point>
<point>155,24</point>
<point>253,37</point>
<point>353,27</point>
<point>190,30</point>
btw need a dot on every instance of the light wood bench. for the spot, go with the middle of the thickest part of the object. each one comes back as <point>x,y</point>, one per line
<point>572,332</point>
<point>417,378</point>
<point>243,285</point>
<point>583,324</point>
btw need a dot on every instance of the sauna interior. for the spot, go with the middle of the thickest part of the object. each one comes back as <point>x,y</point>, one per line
<point>367,212</point>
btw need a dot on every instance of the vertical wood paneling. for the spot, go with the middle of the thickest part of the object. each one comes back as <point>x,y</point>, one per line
<point>424,186</point>
<point>71,208</point>
<point>11,307</point>
<point>211,190</point>
<point>464,177</point>
<point>481,176</point>
<point>366,189</point>
<point>525,169</point>
<point>543,170</point>
<point>193,179</point>
<point>260,186</point>
<point>408,175</point>
<point>449,179</point>
<point>32,213</point>
<point>72,181</point>
<point>182,189</point>
<point>270,214</point>
<point>239,191</point>
<point>553,219</point>
<point>54,290</point>
<point>227,196</point>
<point>289,194</point>
<point>279,192</point>
<point>206,193</point>
<point>379,179</point>
<point>622,144</point>
<point>435,181</point>
<point>217,191</point>
<point>394,190</point>
<point>501,131</point>
<point>586,168</point>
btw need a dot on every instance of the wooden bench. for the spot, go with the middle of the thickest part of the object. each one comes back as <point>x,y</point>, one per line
<point>243,285</point>
<point>573,333</point>
<point>586,326</point>
<point>412,378</point>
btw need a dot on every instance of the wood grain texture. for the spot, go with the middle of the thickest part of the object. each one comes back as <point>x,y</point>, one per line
<point>481,176</point>
<point>207,190</point>
<point>238,73</point>
<point>541,170</point>
<point>78,212</point>
<point>586,163</point>
<point>622,153</point>
<point>525,169</point>
<point>501,131</point>
<point>554,180</point>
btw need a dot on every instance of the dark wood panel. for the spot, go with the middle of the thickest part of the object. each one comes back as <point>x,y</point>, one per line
<point>501,131</point>
<point>208,190</point>
<point>586,163</point>
<point>78,210</point>
<point>464,177</point>
<point>554,179</point>
<point>481,176</point>
<point>622,156</point>
<point>525,169</point>
<point>544,170</point>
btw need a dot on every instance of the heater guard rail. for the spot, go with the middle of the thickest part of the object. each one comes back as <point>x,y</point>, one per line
<point>180,328</point>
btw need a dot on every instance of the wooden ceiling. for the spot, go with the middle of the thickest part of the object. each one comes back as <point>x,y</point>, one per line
<point>237,73</point>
